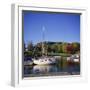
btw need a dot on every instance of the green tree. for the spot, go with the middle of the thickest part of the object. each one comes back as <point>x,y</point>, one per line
<point>60,50</point>
<point>76,47</point>
<point>30,46</point>
<point>24,46</point>
<point>64,49</point>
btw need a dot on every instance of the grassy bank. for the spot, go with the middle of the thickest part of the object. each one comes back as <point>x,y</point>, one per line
<point>59,54</point>
<point>29,53</point>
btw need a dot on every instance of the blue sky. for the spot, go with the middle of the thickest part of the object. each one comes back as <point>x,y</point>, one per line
<point>58,26</point>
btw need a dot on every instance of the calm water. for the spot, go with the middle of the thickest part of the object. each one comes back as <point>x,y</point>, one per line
<point>62,68</point>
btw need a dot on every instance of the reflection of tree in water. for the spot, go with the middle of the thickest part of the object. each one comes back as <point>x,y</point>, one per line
<point>28,69</point>
<point>62,64</point>
<point>74,67</point>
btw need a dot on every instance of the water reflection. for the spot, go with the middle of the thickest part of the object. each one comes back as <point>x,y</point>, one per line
<point>42,70</point>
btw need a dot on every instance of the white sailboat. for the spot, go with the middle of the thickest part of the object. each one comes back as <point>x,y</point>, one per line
<point>44,59</point>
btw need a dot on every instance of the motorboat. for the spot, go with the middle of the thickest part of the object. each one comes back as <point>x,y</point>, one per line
<point>74,58</point>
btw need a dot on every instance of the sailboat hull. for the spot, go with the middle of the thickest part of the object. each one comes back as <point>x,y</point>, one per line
<point>44,61</point>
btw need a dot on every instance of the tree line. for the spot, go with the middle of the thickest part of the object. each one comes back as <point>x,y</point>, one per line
<point>51,47</point>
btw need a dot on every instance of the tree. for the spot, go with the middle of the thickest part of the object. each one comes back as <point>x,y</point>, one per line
<point>69,48</point>
<point>38,47</point>
<point>60,50</point>
<point>24,46</point>
<point>49,48</point>
<point>64,49</point>
<point>30,46</point>
<point>76,47</point>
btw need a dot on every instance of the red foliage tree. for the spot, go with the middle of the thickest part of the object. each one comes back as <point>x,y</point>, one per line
<point>69,48</point>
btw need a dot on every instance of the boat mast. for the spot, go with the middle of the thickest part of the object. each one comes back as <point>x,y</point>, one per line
<point>43,39</point>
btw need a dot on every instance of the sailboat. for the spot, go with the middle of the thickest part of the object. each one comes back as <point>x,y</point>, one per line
<point>44,59</point>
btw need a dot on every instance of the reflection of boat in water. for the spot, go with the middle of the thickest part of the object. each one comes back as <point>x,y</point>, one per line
<point>44,59</point>
<point>44,68</point>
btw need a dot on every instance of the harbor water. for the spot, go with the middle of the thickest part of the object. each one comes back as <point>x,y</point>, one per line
<point>61,68</point>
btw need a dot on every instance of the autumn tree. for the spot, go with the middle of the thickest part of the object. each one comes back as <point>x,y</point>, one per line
<point>69,48</point>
